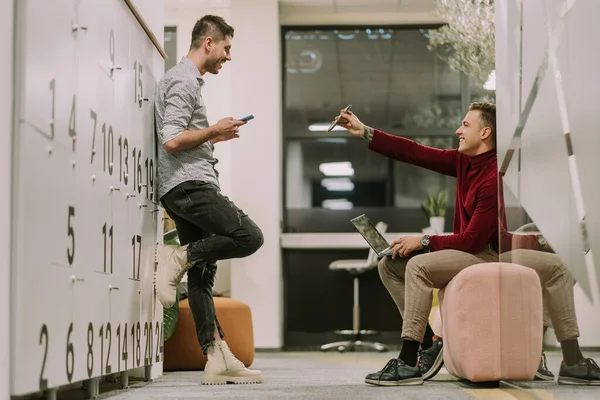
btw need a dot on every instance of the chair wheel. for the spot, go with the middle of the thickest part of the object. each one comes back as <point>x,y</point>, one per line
<point>342,349</point>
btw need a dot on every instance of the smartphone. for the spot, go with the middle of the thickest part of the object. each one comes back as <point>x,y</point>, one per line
<point>247,118</point>
<point>334,123</point>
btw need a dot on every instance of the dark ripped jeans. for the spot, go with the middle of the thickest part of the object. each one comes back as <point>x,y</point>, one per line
<point>215,229</point>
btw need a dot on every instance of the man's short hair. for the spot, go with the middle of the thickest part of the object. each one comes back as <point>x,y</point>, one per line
<point>210,25</point>
<point>488,115</point>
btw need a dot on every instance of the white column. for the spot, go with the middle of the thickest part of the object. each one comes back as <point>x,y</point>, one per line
<point>6,118</point>
<point>256,160</point>
<point>298,188</point>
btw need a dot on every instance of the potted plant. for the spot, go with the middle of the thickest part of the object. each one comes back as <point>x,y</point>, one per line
<point>435,207</point>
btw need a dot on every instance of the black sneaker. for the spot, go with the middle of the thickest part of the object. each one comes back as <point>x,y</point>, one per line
<point>585,372</point>
<point>431,360</point>
<point>396,373</point>
<point>543,373</point>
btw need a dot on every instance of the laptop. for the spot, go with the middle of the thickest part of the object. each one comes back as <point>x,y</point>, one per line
<point>373,237</point>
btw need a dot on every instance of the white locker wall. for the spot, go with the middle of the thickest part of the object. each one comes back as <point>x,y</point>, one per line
<point>6,80</point>
<point>85,213</point>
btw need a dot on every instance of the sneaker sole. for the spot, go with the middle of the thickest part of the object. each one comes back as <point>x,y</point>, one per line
<point>436,367</point>
<point>577,381</point>
<point>404,382</point>
<point>541,377</point>
<point>224,380</point>
<point>158,275</point>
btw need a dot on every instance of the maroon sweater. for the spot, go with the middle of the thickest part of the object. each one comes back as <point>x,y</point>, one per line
<point>476,209</point>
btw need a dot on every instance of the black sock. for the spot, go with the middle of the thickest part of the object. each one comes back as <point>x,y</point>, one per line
<point>428,338</point>
<point>571,351</point>
<point>409,351</point>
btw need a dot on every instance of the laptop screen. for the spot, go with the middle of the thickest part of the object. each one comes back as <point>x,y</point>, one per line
<point>366,228</point>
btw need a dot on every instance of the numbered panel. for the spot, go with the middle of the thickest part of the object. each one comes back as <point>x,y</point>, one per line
<point>85,212</point>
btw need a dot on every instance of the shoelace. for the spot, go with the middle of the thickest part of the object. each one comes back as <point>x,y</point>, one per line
<point>392,363</point>
<point>590,362</point>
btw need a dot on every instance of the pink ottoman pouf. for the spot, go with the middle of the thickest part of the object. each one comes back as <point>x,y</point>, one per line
<point>492,323</point>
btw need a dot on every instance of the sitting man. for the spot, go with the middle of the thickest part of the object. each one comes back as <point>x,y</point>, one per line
<point>421,263</point>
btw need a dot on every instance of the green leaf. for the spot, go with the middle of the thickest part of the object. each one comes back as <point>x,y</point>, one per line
<point>170,318</point>
<point>435,205</point>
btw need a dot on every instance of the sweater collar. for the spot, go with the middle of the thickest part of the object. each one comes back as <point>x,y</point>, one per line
<point>483,158</point>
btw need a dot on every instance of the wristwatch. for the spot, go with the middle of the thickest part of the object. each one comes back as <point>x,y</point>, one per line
<point>542,241</point>
<point>425,241</point>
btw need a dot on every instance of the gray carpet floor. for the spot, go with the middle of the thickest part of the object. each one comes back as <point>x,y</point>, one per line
<point>309,375</point>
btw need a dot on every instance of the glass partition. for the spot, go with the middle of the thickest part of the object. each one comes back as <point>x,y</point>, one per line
<point>547,147</point>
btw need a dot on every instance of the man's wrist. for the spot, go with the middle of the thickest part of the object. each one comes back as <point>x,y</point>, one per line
<point>212,132</point>
<point>368,133</point>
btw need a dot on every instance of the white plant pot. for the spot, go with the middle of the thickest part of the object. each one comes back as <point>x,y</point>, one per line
<point>437,224</point>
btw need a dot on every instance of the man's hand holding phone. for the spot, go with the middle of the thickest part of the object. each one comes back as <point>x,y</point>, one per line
<point>227,129</point>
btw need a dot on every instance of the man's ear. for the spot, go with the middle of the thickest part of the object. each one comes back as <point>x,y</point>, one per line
<point>208,43</point>
<point>486,133</point>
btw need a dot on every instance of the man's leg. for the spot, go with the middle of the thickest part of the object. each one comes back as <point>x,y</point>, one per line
<point>230,233</point>
<point>222,366</point>
<point>557,286</point>
<point>417,277</point>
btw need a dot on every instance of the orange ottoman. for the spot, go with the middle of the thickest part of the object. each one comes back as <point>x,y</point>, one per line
<point>492,323</point>
<point>182,350</point>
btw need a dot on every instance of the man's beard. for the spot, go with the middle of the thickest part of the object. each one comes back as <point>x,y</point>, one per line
<point>215,65</point>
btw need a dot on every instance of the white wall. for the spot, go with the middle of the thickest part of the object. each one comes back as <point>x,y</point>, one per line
<point>256,159</point>
<point>360,14</point>
<point>249,167</point>
<point>6,82</point>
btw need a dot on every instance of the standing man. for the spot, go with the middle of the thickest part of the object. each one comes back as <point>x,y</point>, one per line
<point>209,225</point>
<point>421,263</point>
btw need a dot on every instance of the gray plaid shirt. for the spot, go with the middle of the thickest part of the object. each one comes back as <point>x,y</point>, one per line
<point>178,106</point>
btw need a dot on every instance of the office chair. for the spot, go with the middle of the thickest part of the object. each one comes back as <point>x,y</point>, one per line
<point>357,268</point>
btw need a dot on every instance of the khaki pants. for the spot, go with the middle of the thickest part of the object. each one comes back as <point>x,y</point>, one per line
<point>410,281</point>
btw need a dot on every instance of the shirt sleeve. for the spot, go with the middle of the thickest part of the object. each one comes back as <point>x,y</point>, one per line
<point>406,150</point>
<point>180,98</point>
<point>482,226</point>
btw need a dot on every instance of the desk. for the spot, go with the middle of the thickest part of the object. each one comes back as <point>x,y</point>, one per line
<point>335,241</point>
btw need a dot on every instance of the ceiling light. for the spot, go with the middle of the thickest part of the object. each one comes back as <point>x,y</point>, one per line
<point>343,168</point>
<point>338,204</point>
<point>333,140</point>
<point>322,127</point>
<point>338,184</point>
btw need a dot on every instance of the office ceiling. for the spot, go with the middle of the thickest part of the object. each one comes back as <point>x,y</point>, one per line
<point>388,75</point>
<point>415,6</point>
<point>356,5</point>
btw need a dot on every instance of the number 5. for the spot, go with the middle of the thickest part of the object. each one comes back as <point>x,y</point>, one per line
<point>71,233</point>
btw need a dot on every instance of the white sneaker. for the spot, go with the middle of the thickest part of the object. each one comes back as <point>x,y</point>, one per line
<point>172,265</point>
<point>222,368</point>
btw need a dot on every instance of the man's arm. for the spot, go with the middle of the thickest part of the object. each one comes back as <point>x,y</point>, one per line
<point>409,151</point>
<point>399,148</point>
<point>179,106</point>
<point>482,227</point>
